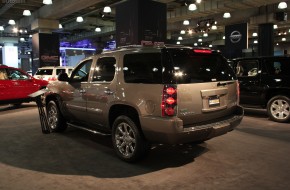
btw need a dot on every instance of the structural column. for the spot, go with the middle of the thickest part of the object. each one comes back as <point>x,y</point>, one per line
<point>45,44</point>
<point>266,39</point>
<point>140,20</point>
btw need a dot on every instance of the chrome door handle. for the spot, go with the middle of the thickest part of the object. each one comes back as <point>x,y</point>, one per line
<point>108,92</point>
<point>82,91</point>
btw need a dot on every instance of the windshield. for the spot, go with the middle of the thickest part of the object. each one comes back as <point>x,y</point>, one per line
<point>184,66</point>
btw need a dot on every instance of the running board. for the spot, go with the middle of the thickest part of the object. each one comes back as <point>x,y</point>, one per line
<point>89,130</point>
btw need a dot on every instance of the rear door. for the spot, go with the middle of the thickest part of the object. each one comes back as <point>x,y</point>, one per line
<point>206,85</point>
<point>249,74</point>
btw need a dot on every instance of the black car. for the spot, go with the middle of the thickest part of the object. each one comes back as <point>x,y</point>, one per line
<point>265,83</point>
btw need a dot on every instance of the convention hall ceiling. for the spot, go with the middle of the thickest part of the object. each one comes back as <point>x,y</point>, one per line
<point>66,12</point>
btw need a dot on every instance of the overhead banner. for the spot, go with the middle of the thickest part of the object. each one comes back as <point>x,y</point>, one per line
<point>236,40</point>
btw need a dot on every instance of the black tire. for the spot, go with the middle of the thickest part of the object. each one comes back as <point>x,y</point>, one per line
<point>56,121</point>
<point>278,109</point>
<point>128,141</point>
<point>17,105</point>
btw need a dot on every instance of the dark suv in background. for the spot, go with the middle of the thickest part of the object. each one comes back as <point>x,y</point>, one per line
<point>265,83</point>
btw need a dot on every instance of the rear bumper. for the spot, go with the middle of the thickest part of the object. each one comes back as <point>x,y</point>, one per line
<point>172,131</point>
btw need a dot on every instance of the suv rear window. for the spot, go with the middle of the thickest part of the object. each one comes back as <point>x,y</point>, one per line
<point>184,66</point>
<point>176,66</point>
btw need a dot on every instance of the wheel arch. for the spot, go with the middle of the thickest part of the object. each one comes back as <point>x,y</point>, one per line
<point>276,92</point>
<point>122,109</point>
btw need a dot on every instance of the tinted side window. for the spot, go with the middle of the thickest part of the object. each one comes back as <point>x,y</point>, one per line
<point>81,73</point>
<point>105,69</point>
<point>58,71</point>
<point>143,68</point>
<point>17,75</point>
<point>44,72</point>
<point>278,66</point>
<point>247,68</point>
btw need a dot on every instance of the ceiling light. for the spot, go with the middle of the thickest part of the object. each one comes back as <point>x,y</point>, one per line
<point>205,35</point>
<point>178,42</point>
<point>11,22</point>
<point>283,39</point>
<point>107,9</point>
<point>282,5</point>
<point>98,29</point>
<point>59,26</point>
<point>227,15</point>
<point>1,28</point>
<point>186,22</point>
<point>190,31</point>
<point>198,1</point>
<point>255,34</point>
<point>180,38</point>
<point>200,40</point>
<point>182,32</point>
<point>210,45</point>
<point>224,37</point>
<point>30,36</point>
<point>80,19</point>
<point>192,7</point>
<point>275,26</point>
<point>256,41</point>
<point>214,27</point>
<point>15,30</point>
<point>195,44</point>
<point>26,13</point>
<point>22,40</point>
<point>277,44</point>
<point>47,2</point>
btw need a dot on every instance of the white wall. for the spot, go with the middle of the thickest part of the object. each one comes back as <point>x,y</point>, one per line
<point>10,56</point>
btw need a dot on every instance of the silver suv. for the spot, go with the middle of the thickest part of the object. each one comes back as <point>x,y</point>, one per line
<point>143,95</point>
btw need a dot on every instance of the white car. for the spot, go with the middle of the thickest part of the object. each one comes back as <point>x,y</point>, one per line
<point>50,73</point>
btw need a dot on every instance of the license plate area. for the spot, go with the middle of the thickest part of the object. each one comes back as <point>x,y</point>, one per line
<point>213,101</point>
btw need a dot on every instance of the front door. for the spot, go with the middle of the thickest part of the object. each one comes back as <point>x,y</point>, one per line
<point>75,96</point>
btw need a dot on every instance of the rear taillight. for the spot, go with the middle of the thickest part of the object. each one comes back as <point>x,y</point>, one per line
<point>202,51</point>
<point>238,92</point>
<point>51,79</point>
<point>169,100</point>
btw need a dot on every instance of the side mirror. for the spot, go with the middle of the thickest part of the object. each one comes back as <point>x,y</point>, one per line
<point>63,77</point>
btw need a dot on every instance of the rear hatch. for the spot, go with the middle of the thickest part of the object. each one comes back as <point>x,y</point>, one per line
<point>206,86</point>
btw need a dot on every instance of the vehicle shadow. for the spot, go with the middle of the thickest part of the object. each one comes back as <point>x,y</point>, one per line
<point>10,107</point>
<point>77,152</point>
<point>260,113</point>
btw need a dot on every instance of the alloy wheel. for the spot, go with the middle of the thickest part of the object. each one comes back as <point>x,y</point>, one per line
<point>125,139</point>
<point>52,117</point>
<point>280,109</point>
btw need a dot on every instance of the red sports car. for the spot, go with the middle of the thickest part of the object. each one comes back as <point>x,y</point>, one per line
<point>16,85</point>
